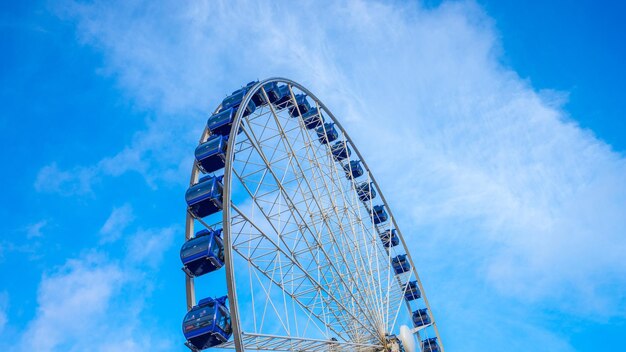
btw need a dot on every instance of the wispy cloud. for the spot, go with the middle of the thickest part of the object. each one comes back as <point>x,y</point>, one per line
<point>72,302</point>
<point>34,230</point>
<point>116,223</point>
<point>497,185</point>
<point>95,300</point>
<point>147,246</point>
<point>156,154</point>
<point>74,181</point>
<point>4,302</point>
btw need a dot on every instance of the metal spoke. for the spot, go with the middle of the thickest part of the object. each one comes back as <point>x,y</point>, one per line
<point>300,243</point>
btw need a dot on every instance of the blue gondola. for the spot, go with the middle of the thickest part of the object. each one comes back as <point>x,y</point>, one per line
<point>211,155</point>
<point>258,99</point>
<point>205,197</point>
<point>430,345</point>
<point>234,100</point>
<point>340,151</point>
<point>365,191</point>
<point>353,169</point>
<point>203,254</point>
<point>302,105</point>
<point>327,133</point>
<point>312,119</point>
<point>390,238</point>
<point>271,89</point>
<point>207,324</point>
<point>284,97</point>
<point>379,214</point>
<point>412,291</point>
<point>420,317</point>
<point>400,264</point>
<point>222,122</point>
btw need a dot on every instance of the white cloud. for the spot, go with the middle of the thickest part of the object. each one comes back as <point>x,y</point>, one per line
<point>498,186</point>
<point>156,154</point>
<point>4,302</point>
<point>3,320</point>
<point>147,246</point>
<point>95,301</point>
<point>116,223</point>
<point>72,302</point>
<point>77,180</point>
<point>34,230</point>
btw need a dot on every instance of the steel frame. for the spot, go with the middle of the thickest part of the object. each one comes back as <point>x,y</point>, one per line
<point>355,316</point>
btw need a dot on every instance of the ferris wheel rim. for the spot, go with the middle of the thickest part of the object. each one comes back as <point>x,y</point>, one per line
<point>227,201</point>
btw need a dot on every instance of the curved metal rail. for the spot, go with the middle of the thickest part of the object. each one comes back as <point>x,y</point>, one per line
<point>242,340</point>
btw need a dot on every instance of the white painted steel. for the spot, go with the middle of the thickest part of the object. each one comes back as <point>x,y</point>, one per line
<point>305,268</point>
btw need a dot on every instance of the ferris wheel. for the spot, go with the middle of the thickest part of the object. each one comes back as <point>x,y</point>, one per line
<point>282,205</point>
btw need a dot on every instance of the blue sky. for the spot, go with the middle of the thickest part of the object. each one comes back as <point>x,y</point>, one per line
<point>506,119</point>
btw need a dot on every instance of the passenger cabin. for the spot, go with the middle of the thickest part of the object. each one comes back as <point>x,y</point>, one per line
<point>390,238</point>
<point>222,122</point>
<point>301,107</point>
<point>284,97</point>
<point>312,118</point>
<point>211,155</point>
<point>400,264</point>
<point>412,291</point>
<point>234,100</point>
<point>340,151</point>
<point>353,169</point>
<point>271,90</point>
<point>365,191</point>
<point>203,254</point>
<point>205,197</point>
<point>430,345</point>
<point>207,324</point>
<point>257,98</point>
<point>420,317</point>
<point>327,133</point>
<point>379,214</point>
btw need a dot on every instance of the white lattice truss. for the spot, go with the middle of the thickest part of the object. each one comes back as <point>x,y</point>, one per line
<point>311,271</point>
